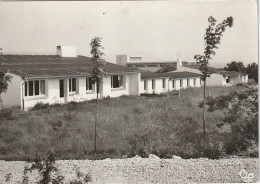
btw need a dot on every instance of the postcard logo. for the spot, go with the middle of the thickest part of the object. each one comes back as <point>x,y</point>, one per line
<point>246,176</point>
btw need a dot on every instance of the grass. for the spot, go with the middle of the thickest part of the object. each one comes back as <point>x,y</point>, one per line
<point>127,125</point>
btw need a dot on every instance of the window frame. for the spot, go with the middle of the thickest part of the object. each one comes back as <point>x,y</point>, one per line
<point>33,92</point>
<point>120,81</point>
<point>72,87</point>
<point>88,82</point>
<point>163,83</point>
<point>145,85</point>
<point>153,84</point>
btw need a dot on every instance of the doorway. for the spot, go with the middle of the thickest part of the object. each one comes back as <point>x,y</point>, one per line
<point>61,88</point>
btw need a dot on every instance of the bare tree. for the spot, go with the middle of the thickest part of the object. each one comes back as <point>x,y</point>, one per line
<point>97,75</point>
<point>212,38</point>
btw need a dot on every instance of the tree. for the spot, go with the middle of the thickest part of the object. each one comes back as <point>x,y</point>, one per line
<point>252,71</point>
<point>97,75</point>
<point>235,66</point>
<point>212,38</point>
<point>4,79</point>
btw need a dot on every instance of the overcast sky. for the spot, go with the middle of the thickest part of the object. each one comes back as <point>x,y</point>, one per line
<point>158,30</point>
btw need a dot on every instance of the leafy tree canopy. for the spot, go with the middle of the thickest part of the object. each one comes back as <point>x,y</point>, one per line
<point>252,71</point>
<point>235,66</point>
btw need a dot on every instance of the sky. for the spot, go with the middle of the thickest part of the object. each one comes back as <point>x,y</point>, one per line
<point>157,30</point>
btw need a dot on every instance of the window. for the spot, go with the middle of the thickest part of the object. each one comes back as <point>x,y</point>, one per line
<point>163,83</point>
<point>227,80</point>
<point>89,84</point>
<point>180,82</point>
<point>34,88</point>
<point>42,87</point>
<point>145,85</point>
<point>194,82</point>
<point>72,85</point>
<point>153,84</point>
<point>117,81</point>
<point>31,86</point>
<point>188,84</point>
<point>151,65</point>
<point>172,83</point>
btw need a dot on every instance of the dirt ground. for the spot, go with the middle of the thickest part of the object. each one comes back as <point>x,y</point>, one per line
<point>146,170</point>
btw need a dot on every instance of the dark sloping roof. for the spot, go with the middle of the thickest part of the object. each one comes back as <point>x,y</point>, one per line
<point>179,75</point>
<point>229,73</point>
<point>45,66</point>
<point>216,70</point>
<point>197,67</point>
<point>152,75</point>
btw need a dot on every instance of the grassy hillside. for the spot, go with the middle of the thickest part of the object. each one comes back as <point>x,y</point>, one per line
<point>128,125</point>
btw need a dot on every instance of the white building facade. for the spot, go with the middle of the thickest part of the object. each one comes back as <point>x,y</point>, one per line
<point>63,78</point>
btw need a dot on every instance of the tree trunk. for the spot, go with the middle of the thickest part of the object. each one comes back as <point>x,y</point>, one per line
<point>1,102</point>
<point>96,115</point>
<point>204,109</point>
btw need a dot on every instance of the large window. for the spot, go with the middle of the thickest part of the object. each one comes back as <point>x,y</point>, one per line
<point>188,82</point>
<point>153,84</point>
<point>89,84</point>
<point>72,85</point>
<point>163,83</point>
<point>34,88</point>
<point>145,85</point>
<point>172,83</point>
<point>117,81</point>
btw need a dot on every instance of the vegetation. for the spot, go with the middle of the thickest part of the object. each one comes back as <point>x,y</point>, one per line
<point>131,125</point>
<point>4,79</point>
<point>167,68</point>
<point>48,172</point>
<point>212,40</point>
<point>252,71</point>
<point>235,66</point>
<point>97,75</point>
<point>240,109</point>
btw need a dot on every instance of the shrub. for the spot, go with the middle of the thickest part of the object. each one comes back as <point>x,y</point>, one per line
<point>240,109</point>
<point>7,114</point>
<point>40,105</point>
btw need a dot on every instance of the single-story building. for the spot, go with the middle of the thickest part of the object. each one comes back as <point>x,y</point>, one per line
<point>218,77</point>
<point>63,78</point>
<point>152,82</point>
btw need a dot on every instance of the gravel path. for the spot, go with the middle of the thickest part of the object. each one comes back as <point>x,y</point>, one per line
<point>146,170</point>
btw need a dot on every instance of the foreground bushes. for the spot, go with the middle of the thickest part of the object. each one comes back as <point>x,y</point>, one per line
<point>130,126</point>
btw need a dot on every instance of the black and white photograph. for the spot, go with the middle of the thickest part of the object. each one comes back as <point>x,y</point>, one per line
<point>129,92</point>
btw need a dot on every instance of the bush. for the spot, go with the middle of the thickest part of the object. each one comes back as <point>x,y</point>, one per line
<point>7,114</point>
<point>240,109</point>
<point>40,105</point>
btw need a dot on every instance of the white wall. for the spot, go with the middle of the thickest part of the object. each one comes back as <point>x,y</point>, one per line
<point>52,93</point>
<point>135,83</point>
<point>108,91</point>
<point>158,84</point>
<point>12,97</point>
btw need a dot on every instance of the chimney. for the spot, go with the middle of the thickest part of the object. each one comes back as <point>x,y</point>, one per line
<point>66,51</point>
<point>179,63</point>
